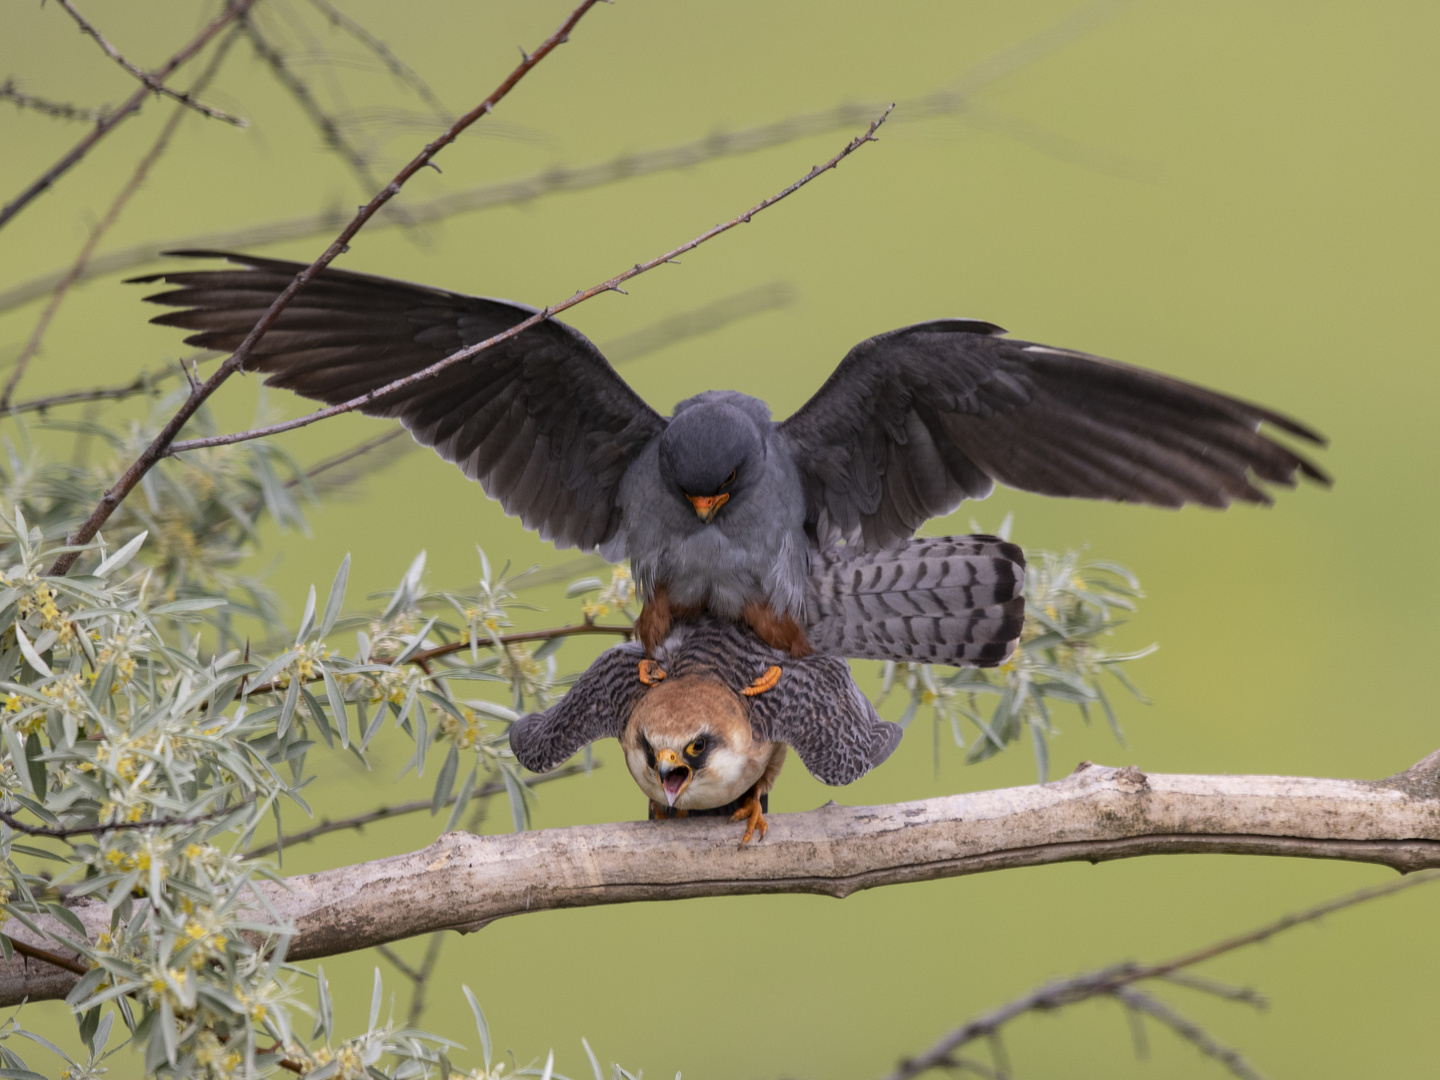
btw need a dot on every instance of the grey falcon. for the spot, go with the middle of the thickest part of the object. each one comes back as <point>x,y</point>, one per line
<point>712,736</point>
<point>719,508</point>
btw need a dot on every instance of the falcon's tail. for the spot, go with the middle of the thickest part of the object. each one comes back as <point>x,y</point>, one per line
<point>941,600</point>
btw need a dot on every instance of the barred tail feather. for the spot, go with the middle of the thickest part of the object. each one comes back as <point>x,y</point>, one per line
<point>942,600</point>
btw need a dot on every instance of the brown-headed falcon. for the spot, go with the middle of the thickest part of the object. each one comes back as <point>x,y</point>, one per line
<point>711,733</point>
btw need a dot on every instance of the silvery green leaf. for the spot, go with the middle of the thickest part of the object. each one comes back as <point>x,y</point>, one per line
<point>1042,751</point>
<point>415,645</point>
<point>28,650</point>
<point>102,1035</point>
<point>273,668</point>
<point>337,705</point>
<point>176,607</point>
<point>307,618</point>
<point>519,812</point>
<point>594,1063</point>
<point>337,596</point>
<point>376,996</point>
<point>549,1066</point>
<point>500,712</point>
<point>480,1025</point>
<point>324,1013</point>
<point>583,586</point>
<point>484,580</point>
<point>462,800</point>
<point>116,561</point>
<point>318,714</point>
<point>445,781</point>
<point>548,648</point>
<point>287,710</point>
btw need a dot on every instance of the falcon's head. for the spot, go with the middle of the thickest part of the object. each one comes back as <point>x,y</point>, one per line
<point>711,451</point>
<point>689,745</point>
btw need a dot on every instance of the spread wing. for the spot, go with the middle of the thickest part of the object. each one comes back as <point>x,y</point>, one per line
<point>541,420</point>
<point>596,707</point>
<point>819,711</point>
<point>916,420</point>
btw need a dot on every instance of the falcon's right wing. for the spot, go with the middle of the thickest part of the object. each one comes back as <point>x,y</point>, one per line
<point>596,707</point>
<point>541,420</point>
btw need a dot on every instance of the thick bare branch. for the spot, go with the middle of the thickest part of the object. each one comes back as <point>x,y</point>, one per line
<point>111,119</point>
<point>612,285</point>
<point>462,881</point>
<point>186,99</point>
<point>160,445</point>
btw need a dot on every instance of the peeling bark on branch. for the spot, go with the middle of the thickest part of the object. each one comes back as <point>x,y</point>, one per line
<point>461,882</point>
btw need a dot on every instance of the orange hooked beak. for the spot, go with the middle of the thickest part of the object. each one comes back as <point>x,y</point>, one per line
<point>675,775</point>
<point>707,505</point>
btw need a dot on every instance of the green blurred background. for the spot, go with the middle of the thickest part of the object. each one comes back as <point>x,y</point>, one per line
<point>1238,194</point>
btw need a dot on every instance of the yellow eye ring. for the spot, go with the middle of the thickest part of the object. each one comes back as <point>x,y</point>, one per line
<point>729,479</point>
<point>696,748</point>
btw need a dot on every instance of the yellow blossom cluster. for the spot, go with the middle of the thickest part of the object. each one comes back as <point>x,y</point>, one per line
<point>378,686</point>
<point>119,647</point>
<point>464,735</point>
<point>617,596</point>
<point>305,665</point>
<point>351,1065</point>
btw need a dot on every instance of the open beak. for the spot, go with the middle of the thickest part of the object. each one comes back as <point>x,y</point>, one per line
<point>706,505</point>
<point>674,774</point>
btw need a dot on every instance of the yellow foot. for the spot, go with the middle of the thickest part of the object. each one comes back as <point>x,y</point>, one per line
<point>759,686</point>
<point>651,673</point>
<point>751,810</point>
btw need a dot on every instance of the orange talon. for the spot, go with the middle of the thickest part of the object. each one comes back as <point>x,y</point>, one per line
<point>763,683</point>
<point>650,673</point>
<point>751,809</point>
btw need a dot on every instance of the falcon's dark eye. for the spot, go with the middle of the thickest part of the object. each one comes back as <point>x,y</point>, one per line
<point>696,748</point>
<point>729,479</point>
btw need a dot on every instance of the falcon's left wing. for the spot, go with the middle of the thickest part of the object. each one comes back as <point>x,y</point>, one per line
<point>916,420</point>
<point>596,707</point>
<point>819,711</point>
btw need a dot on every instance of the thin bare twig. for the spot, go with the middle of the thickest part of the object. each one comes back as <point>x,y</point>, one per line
<point>957,99</point>
<point>147,382</point>
<point>186,99</point>
<point>393,63</point>
<point>358,450</point>
<point>160,445</point>
<point>329,129</point>
<point>58,109</point>
<point>1202,1040</point>
<point>612,285</point>
<point>34,952</point>
<point>487,790</point>
<point>108,124</point>
<point>275,686</point>
<point>1115,982</point>
<point>117,826</point>
<point>419,977</point>
<point>137,178</point>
